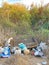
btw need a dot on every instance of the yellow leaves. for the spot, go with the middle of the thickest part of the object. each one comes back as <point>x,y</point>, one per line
<point>14,7</point>
<point>15,12</point>
<point>5,6</point>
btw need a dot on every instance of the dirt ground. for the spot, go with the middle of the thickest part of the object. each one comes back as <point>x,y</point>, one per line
<point>22,60</point>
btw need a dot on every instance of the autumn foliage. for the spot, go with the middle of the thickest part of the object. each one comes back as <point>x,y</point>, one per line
<point>17,16</point>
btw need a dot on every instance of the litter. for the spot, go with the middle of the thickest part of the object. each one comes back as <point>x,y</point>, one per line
<point>39,54</point>
<point>26,52</point>
<point>43,45</point>
<point>6,52</point>
<point>44,63</point>
<point>8,42</point>
<point>16,50</point>
<point>22,46</point>
<point>1,50</point>
<point>13,50</point>
<point>38,51</point>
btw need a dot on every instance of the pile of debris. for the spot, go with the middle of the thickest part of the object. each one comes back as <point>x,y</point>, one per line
<point>39,50</point>
<point>7,50</point>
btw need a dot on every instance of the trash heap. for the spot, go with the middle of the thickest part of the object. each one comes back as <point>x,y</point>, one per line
<point>38,51</point>
<point>7,51</point>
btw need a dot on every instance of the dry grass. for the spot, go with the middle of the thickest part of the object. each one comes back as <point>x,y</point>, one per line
<point>21,60</point>
<point>16,60</point>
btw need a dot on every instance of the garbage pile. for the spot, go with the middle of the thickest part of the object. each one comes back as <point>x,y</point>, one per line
<point>20,49</point>
<point>38,51</point>
<point>7,51</point>
<point>15,50</point>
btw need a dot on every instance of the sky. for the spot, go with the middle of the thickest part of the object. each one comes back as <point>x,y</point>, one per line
<point>25,2</point>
